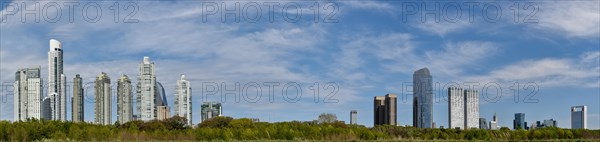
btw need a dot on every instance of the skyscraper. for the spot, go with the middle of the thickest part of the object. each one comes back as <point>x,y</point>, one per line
<point>385,109</point>
<point>210,110</point>
<point>162,112</point>
<point>77,100</point>
<point>353,116</point>
<point>102,111</point>
<point>183,100</point>
<point>422,99</point>
<point>456,101</point>
<point>146,85</point>
<point>56,80</point>
<point>494,123</point>
<point>379,110</point>
<point>519,122</point>
<point>471,109</point>
<point>46,111</point>
<point>124,100</point>
<point>579,117</point>
<point>28,94</point>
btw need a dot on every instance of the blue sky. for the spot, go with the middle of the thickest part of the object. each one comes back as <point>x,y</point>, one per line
<point>367,48</point>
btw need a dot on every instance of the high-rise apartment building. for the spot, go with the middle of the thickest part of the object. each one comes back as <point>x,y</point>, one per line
<point>210,110</point>
<point>124,100</point>
<point>77,109</point>
<point>353,117</point>
<point>146,91</point>
<point>579,117</point>
<point>385,109</point>
<point>28,94</point>
<point>57,80</point>
<point>456,106</point>
<point>471,109</point>
<point>422,99</point>
<point>102,110</point>
<point>183,100</point>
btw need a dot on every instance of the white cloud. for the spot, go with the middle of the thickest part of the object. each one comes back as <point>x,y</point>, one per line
<point>572,18</point>
<point>548,72</point>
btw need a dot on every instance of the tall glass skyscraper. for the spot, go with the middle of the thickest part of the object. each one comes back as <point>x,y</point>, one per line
<point>183,100</point>
<point>422,99</point>
<point>56,80</point>
<point>124,100</point>
<point>146,91</point>
<point>77,109</point>
<point>519,122</point>
<point>578,117</point>
<point>28,94</point>
<point>103,103</point>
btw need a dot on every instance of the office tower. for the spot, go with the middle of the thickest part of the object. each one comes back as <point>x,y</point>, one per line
<point>102,111</point>
<point>471,109</point>
<point>379,110</point>
<point>183,100</point>
<point>483,124</point>
<point>210,110</point>
<point>28,94</point>
<point>353,116</point>
<point>494,123</point>
<point>124,100</point>
<point>385,109</point>
<point>162,112</point>
<point>77,101</point>
<point>146,85</point>
<point>579,117</point>
<point>456,118</point>
<point>56,80</point>
<point>46,111</point>
<point>54,101</point>
<point>519,122</point>
<point>422,99</point>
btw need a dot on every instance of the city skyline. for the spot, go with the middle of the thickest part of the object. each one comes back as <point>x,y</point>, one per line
<point>364,57</point>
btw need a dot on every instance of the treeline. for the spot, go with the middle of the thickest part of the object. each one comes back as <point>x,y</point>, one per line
<point>227,128</point>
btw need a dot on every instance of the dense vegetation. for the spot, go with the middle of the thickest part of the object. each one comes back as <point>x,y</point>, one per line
<point>227,128</point>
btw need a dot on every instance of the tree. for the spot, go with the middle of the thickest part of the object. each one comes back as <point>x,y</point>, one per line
<point>327,118</point>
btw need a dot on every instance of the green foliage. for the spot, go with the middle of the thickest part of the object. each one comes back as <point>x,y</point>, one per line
<point>227,128</point>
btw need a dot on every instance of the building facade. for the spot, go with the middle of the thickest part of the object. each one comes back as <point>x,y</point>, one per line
<point>124,100</point>
<point>483,124</point>
<point>183,100</point>
<point>77,109</point>
<point>519,121</point>
<point>494,123</point>
<point>210,110</point>
<point>56,80</point>
<point>353,117</point>
<point>579,117</point>
<point>422,99</point>
<point>28,94</point>
<point>471,109</point>
<point>163,112</point>
<point>385,109</point>
<point>456,106</point>
<point>103,109</point>
<point>146,91</point>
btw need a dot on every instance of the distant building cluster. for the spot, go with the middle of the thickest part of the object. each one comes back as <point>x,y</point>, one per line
<point>150,98</point>
<point>463,109</point>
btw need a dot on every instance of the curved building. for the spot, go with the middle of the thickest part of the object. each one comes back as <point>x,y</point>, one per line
<point>422,99</point>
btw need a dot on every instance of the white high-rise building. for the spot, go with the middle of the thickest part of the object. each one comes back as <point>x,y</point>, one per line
<point>579,117</point>
<point>456,106</point>
<point>146,91</point>
<point>56,80</point>
<point>183,100</point>
<point>124,100</point>
<point>28,94</point>
<point>494,123</point>
<point>471,109</point>
<point>103,109</point>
